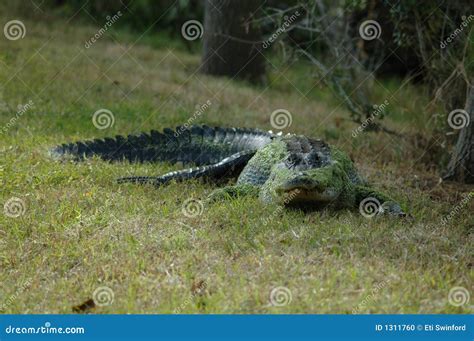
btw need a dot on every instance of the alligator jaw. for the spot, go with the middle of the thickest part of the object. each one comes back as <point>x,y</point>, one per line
<point>304,191</point>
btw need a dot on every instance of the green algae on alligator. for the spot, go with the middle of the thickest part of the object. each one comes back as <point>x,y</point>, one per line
<point>289,170</point>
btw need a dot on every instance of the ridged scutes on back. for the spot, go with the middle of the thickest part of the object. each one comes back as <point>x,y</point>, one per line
<point>197,144</point>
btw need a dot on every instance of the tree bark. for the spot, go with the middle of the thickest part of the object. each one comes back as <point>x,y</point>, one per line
<point>232,42</point>
<point>461,165</point>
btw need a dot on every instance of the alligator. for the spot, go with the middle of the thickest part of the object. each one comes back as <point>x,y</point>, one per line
<point>289,170</point>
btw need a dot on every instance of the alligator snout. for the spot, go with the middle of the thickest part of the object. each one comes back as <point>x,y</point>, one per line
<point>299,182</point>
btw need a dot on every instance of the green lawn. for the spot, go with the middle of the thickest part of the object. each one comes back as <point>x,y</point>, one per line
<point>78,231</point>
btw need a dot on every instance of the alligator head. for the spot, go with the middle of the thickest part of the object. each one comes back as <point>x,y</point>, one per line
<point>310,175</point>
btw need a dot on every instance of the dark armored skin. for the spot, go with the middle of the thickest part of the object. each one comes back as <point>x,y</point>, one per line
<point>289,170</point>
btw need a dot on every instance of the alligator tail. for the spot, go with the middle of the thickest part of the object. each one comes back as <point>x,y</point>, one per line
<point>199,145</point>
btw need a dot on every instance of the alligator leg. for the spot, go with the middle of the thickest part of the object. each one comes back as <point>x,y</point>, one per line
<point>228,167</point>
<point>375,203</point>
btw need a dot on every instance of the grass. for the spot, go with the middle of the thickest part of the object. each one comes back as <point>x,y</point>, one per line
<point>81,231</point>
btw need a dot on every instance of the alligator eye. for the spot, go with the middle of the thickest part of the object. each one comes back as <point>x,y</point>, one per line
<point>314,158</point>
<point>292,161</point>
<point>289,164</point>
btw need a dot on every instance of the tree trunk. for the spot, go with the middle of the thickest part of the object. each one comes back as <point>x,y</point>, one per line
<point>461,166</point>
<point>232,42</point>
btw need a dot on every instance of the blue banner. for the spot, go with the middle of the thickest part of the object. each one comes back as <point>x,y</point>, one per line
<point>237,327</point>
